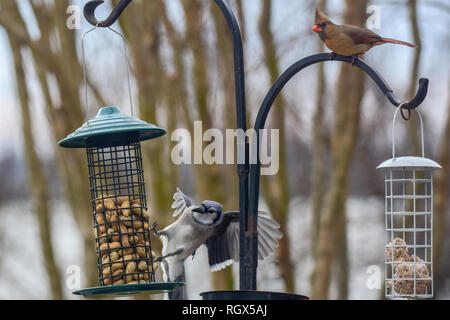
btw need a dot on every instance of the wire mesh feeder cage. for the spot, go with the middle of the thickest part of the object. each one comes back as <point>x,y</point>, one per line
<point>120,212</point>
<point>409,224</point>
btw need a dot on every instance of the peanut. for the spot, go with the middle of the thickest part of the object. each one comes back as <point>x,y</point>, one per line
<point>119,264</point>
<point>124,237</point>
<point>131,268</point>
<point>121,200</point>
<point>113,256</point>
<point>140,212</point>
<point>126,252</point>
<point>142,266</point>
<point>126,208</point>
<point>119,282</point>
<point>118,274</point>
<point>107,272</point>
<point>127,222</point>
<point>109,204</point>
<point>129,257</point>
<point>141,252</point>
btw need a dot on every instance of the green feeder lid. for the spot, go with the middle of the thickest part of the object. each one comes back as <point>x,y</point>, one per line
<point>111,122</point>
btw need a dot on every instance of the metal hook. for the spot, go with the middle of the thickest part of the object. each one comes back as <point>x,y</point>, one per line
<point>402,109</point>
<point>89,13</point>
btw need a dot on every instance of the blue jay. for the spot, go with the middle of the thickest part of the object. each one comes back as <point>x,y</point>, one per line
<point>207,224</point>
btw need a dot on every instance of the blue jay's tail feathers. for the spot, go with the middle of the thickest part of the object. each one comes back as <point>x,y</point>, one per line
<point>175,273</point>
<point>181,202</point>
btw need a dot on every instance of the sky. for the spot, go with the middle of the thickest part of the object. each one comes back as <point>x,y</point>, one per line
<point>291,26</point>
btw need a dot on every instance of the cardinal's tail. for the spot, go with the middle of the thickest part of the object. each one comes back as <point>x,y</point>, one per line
<point>388,40</point>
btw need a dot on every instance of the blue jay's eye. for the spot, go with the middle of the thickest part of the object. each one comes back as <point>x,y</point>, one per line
<point>211,210</point>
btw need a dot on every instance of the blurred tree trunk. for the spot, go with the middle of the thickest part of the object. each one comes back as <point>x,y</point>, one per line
<point>206,175</point>
<point>441,195</point>
<point>144,38</point>
<point>413,125</point>
<point>58,58</point>
<point>37,179</point>
<point>226,64</point>
<point>276,189</point>
<point>318,154</point>
<point>332,235</point>
<point>241,18</point>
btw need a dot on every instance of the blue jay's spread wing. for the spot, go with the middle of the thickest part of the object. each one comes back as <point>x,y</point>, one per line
<point>181,202</point>
<point>223,245</point>
<point>268,235</point>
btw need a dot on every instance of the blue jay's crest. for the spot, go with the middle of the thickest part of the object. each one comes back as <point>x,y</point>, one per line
<point>181,202</point>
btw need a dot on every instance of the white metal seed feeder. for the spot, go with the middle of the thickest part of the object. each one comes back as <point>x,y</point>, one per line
<point>409,223</point>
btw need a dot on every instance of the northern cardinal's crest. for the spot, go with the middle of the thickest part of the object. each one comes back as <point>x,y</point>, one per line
<point>321,17</point>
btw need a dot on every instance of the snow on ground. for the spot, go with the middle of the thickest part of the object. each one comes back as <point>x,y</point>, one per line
<point>22,274</point>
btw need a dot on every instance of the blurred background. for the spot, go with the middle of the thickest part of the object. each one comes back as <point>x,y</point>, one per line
<point>334,126</point>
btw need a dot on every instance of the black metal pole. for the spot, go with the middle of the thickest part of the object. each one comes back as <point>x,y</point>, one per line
<point>255,169</point>
<point>247,239</point>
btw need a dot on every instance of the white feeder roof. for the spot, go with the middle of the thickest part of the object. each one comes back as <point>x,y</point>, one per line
<point>402,162</point>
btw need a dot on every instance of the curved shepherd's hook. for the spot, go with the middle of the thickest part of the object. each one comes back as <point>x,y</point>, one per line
<point>89,13</point>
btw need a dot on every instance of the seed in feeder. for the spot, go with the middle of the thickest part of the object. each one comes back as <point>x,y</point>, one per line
<point>115,237</point>
<point>124,237</point>
<point>143,276</point>
<point>114,245</point>
<point>121,200</point>
<point>140,212</point>
<point>126,208</point>
<point>118,274</point>
<point>406,270</point>
<point>400,250</point>
<point>107,272</point>
<point>109,204</point>
<point>131,268</point>
<point>130,257</point>
<point>114,266</point>
<point>117,283</point>
<point>100,208</point>
<point>141,252</point>
<point>142,266</point>
<point>113,256</point>
<point>126,252</point>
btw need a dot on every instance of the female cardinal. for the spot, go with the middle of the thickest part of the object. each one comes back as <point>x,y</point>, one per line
<point>349,40</point>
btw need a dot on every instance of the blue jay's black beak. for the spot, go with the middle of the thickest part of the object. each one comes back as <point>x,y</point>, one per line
<point>200,209</point>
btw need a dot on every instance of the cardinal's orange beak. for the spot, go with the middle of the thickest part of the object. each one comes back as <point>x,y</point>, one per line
<point>316,28</point>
